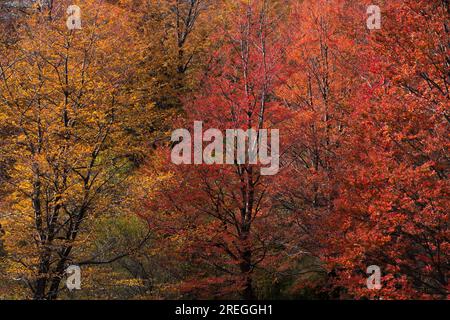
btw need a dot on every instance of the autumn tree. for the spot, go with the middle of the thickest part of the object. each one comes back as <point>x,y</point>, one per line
<point>63,100</point>
<point>319,95</point>
<point>173,37</point>
<point>392,207</point>
<point>222,216</point>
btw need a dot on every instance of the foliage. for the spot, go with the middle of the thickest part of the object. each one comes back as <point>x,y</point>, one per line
<point>86,176</point>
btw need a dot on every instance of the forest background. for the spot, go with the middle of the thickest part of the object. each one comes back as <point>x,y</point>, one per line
<point>86,178</point>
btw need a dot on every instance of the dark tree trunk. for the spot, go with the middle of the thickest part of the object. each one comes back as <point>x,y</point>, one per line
<point>246,269</point>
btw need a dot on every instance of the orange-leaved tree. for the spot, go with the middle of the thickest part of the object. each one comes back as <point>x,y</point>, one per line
<point>65,101</point>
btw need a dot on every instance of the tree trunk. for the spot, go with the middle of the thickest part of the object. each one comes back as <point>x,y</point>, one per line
<point>246,268</point>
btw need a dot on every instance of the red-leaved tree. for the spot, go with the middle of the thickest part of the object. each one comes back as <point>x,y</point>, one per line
<point>220,215</point>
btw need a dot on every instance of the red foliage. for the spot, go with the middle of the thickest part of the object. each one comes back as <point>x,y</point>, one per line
<point>221,214</point>
<point>392,208</point>
<point>365,134</point>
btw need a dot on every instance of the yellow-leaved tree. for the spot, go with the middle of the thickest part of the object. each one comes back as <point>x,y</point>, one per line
<point>67,104</point>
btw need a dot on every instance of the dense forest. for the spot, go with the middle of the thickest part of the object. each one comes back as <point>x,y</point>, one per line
<point>87,177</point>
